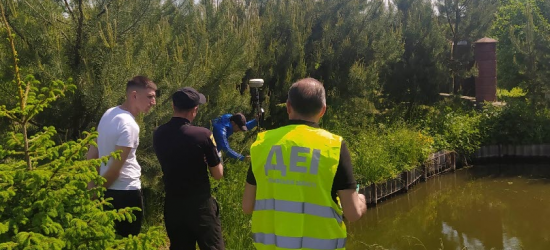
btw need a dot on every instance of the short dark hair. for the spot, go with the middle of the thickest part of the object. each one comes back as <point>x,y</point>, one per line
<point>307,97</point>
<point>140,82</point>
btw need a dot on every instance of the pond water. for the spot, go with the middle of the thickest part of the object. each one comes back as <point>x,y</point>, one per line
<point>482,207</point>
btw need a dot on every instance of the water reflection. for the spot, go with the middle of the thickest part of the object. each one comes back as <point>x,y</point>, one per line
<point>474,243</point>
<point>486,207</point>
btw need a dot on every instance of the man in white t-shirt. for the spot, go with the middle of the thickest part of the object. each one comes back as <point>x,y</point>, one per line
<point>118,131</point>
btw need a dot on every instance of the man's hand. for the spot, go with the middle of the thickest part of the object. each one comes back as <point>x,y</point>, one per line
<point>353,204</point>
<point>362,199</point>
<point>113,172</point>
<point>247,158</point>
<point>91,185</point>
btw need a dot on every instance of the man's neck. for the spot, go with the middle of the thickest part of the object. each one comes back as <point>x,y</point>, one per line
<point>188,116</point>
<point>303,118</point>
<point>126,106</point>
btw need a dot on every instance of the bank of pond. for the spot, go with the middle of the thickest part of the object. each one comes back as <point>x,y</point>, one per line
<point>502,201</point>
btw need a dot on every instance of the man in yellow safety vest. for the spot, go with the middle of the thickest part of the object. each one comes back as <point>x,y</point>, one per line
<point>300,184</point>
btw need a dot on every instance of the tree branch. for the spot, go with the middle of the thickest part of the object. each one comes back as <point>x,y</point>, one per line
<point>69,9</point>
<point>11,39</point>
<point>46,20</point>
<point>18,33</point>
<point>45,10</point>
<point>103,8</point>
<point>144,10</point>
<point>447,15</point>
<point>78,41</point>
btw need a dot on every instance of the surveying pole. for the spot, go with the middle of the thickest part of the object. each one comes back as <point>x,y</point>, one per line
<point>256,84</point>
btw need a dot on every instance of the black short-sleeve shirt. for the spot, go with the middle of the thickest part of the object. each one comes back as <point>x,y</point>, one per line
<point>184,152</point>
<point>343,179</point>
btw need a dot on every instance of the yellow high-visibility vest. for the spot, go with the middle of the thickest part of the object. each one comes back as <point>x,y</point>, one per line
<point>294,167</point>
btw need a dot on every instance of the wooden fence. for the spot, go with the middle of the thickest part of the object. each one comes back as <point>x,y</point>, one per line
<point>503,151</point>
<point>444,161</point>
<point>438,163</point>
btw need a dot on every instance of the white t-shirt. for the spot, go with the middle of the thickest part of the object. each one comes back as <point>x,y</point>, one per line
<point>119,127</point>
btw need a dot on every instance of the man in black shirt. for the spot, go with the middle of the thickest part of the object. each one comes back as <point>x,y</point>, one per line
<point>185,152</point>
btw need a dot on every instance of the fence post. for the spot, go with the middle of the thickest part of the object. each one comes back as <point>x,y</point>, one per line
<point>453,160</point>
<point>405,176</point>
<point>374,194</point>
<point>425,173</point>
<point>439,167</point>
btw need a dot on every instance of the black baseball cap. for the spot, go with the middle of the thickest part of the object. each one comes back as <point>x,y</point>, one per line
<point>240,120</point>
<point>187,98</point>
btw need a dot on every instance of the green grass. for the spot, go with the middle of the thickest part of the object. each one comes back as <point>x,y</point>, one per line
<point>228,192</point>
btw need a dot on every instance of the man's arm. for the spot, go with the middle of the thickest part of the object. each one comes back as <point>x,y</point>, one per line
<point>221,138</point>
<point>127,140</point>
<point>251,124</point>
<point>249,198</point>
<point>216,171</point>
<point>113,170</point>
<point>249,195</point>
<point>353,204</point>
<point>212,159</point>
<point>233,154</point>
<point>93,152</point>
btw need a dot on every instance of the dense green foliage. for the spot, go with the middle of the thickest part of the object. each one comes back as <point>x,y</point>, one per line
<point>382,153</point>
<point>44,199</point>
<point>383,65</point>
<point>518,123</point>
<point>523,31</point>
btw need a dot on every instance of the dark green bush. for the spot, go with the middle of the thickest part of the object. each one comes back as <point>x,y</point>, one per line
<point>44,199</point>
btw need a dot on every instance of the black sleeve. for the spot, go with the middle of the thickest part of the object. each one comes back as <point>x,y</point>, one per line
<point>250,179</point>
<point>344,174</point>
<point>210,151</point>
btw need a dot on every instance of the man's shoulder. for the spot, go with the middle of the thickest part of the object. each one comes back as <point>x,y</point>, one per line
<point>283,130</point>
<point>189,128</point>
<point>199,130</point>
<point>107,113</point>
<point>111,109</point>
<point>116,118</point>
<point>116,113</point>
<point>222,119</point>
<point>159,129</point>
<point>221,123</point>
<point>327,133</point>
<point>126,123</point>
